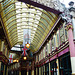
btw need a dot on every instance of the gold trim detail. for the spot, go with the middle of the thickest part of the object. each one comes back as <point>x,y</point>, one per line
<point>69,26</point>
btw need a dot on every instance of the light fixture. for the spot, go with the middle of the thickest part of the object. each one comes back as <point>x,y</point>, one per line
<point>16,60</point>
<point>24,57</point>
<point>28,45</point>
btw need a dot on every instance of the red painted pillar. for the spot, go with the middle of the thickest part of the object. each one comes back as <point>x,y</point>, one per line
<point>71,46</point>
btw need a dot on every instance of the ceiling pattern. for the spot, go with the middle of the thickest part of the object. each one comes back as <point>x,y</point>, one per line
<point>17,16</point>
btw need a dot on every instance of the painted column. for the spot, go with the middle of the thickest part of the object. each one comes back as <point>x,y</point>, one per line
<point>44,69</point>
<point>27,68</point>
<point>4,70</point>
<point>32,68</point>
<point>57,67</point>
<point>0,67</point>
<point>7,71</point>
<point>49,69</point>
<point>39,71</point>
<point>19,72</point>
<point>27,72</point>
<point>71,46</point>
<point>36,71</point>
<point>20,68</point>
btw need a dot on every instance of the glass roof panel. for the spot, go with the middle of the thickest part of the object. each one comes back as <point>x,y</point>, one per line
<point>19,16</point>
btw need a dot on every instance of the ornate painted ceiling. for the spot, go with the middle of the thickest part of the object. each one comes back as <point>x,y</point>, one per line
<point>17,16</point>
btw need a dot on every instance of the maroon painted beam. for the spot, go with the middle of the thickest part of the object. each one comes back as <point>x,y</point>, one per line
<point>40,6</point>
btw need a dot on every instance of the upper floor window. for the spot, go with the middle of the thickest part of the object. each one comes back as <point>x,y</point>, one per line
<point>53,43</point>
<point>62,39</point>
<point>4,48</point>
<point>46,50</point>
<point>38,57</point>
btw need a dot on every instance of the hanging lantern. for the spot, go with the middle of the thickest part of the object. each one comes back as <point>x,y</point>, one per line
<point>24,57</point>
<point>27,45</point>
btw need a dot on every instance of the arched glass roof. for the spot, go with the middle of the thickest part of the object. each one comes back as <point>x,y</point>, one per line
<point>17,16</point>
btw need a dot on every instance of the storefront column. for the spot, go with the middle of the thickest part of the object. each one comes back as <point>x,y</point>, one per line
<point>19,72</point>
<point>0,67</point>
<point>4,70</point>
<point>39,70</point>
<point>57,67</point>
<point>27,68</point>
<point>7,71</point>
<point>36,71</point>
<point>49,69</point>
<point>71,47</point>
<point>44,69</point>
<point>32,68</point>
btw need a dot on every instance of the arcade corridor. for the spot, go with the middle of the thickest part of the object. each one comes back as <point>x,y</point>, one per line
<point>37,37</point>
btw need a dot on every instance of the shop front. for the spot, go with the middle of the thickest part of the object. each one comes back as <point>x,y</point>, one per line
<point>53,67</point>
<point>65,65</point>
<point>47,69</point>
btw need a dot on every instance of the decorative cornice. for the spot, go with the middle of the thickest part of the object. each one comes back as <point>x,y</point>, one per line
<point>69,26</point>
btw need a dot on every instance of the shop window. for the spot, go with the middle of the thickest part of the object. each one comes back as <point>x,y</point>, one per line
<point>52,43</point>
<point>66,34</point>
<point>4,49</point>
<point>46,49</point>
<point>38,57</point>
<point>65,65</point>
<point>58,38</point>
